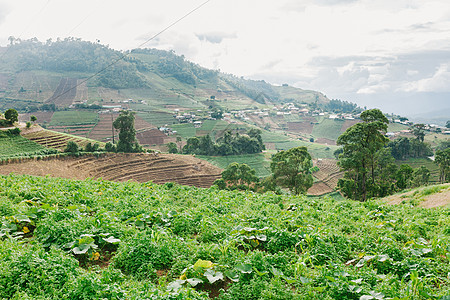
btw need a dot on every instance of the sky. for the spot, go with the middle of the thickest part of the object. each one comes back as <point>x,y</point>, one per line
<point>394,55</point>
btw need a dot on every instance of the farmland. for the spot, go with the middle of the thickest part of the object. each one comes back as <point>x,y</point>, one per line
<point>55,140</point>
<point>65,239</point>
<point>16,145</point>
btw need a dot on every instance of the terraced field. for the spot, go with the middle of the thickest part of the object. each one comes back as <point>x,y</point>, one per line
<point>327,176</point>
<point>140,167</point>
<point>56,140</point>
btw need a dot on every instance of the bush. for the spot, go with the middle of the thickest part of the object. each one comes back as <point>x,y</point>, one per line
<point>71,147</point>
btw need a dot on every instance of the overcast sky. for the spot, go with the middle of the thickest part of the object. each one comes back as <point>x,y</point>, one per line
<point>366,51</point>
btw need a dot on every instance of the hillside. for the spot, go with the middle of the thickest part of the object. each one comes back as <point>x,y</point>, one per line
<point>92,239</point>
<point>160,168</point>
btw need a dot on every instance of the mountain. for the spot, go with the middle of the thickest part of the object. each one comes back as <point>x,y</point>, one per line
<point>71,71</point>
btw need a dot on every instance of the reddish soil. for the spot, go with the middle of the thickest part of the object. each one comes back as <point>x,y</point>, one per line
<point>153,137</point>
<point>300,127</point>
<point>140,167</point>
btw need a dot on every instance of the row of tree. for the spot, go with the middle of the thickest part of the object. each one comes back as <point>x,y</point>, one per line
<point>291,169</point>
<point>227,144</point>
<point>369,161</point>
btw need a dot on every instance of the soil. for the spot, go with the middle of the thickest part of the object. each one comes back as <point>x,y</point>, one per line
<point>140,167</point>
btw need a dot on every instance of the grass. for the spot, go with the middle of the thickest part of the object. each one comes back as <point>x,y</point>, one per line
<point>73,117</point>
<point>259,162</point>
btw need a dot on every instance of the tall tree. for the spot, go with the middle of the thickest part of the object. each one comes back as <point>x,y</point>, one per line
<point>360,145</point>
<point>127,133</point>
<point>442,158</point>
<point>291,169</point>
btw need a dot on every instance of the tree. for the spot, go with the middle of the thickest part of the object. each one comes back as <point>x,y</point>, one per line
<point>360,144</point>
<point>71,147</point>
<point>127,133</point>
<point>403,176</point>
<point>238,176</point>
<point>172,147</point>
<point>33,118</point>
<point>442,158</point>
<point>291,169</point>
<point>421,176</point>
<point>11,115</point>
<point>418,130</point>
<point>448,124</point>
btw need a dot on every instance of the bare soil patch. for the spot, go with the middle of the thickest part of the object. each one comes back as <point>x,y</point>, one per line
<point>438,199</point>
<point>140,167</point>
<point>325,141</point>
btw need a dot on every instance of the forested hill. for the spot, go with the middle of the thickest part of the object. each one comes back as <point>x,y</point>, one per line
<point>32,70</point>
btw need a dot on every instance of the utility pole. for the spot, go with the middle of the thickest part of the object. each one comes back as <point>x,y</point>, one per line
<point>112,126</point>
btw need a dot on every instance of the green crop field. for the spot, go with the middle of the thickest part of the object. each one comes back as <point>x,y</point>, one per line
<point>67,239</point>
<point>73,117</point>
<point>259,162</point>
<point>18,146</point>
<point>428,163</point>
<point>157,118</point>
<point>316,150</point>
<point>328,128</point>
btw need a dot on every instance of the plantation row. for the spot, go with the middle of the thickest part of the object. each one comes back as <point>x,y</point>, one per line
<point>64,239</point>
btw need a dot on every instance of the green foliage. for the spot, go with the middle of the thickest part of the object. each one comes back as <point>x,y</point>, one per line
<point>442,159</point>
<point>72,148</point>
<point>14,145</point>
<point>291,169</point>
<point>339,106</point>
<point>228,144</point>
<point>360,145</point>
<point>238,176</point>
<point>187,242</point>
<point>172,147</point>
<point>11,115</point>
<point>127,133</point>
<point>109,147</point>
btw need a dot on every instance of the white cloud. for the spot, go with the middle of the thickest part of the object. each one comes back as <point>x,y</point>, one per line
<point>439,82</point>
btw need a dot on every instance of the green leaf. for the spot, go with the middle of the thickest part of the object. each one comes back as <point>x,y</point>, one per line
<point>260,273</point>
<point>213,276</point>
<point>22,218</point>
<point>261,237</point>
<point>244,268</point>
<point>81,249</point>
<point>175,285</point>
<point>289,280</point>
<point>194,281</point>
<point>206,264</point>
<point>276,272</point>
<point>232,275</point>
<point>111,240</point>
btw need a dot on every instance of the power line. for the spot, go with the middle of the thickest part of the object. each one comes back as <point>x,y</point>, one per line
<point>127,54</point>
